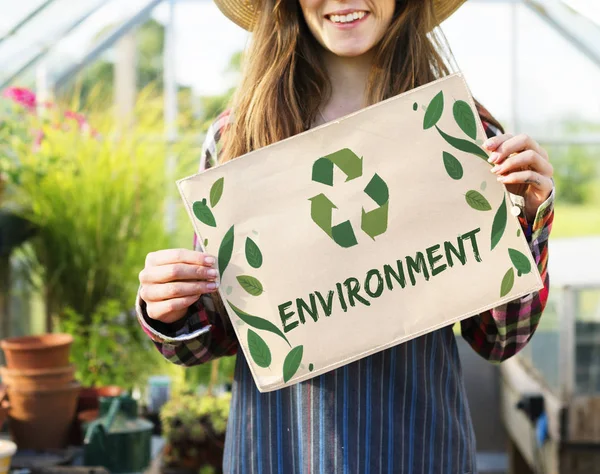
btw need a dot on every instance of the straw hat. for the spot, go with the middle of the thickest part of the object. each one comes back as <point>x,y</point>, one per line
<point>243,12</point>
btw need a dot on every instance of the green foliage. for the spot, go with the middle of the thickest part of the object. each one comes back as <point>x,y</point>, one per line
<point>576,220</point>
<point>150,38</point>
<point>194,430</point>
<point>99,207</point>
<point>187,410</point>
<point>576,173</point>
<point>110,349</point>
<point>97,197</point>
<point>199,375</point>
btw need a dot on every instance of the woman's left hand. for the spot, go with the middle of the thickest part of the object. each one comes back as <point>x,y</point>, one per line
<point>524,167</point>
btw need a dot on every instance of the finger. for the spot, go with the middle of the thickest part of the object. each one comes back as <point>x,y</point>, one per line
<point>180,289</point>
<point>516,144</point>
<point>493,142</point>
<point>169,311</point>
<point>171,256</point>
<point>177,272</point>
<point>528,159</point>
<point>532,178</point>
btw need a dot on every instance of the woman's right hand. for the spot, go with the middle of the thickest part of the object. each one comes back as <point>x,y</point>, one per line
<point>173,280</point>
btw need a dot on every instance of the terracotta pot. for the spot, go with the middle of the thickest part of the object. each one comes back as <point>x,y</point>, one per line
<point>37,352</point>
<point>38,378</point>
<point>87,416</point>
<point>42,418</point>
<point>4,409</point>
<point>89,397</point>
<point>4,406</point>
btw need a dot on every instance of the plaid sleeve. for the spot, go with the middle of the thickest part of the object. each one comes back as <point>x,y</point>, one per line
<point>500,333</point>
<point>205,333</point>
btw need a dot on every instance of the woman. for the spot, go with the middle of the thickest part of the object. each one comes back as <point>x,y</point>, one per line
<point>403,409</point>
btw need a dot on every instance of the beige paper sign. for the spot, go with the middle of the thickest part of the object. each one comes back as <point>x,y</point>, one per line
<point>360,234</point>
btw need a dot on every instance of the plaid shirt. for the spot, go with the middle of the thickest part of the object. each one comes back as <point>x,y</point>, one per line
<point>408,406</point>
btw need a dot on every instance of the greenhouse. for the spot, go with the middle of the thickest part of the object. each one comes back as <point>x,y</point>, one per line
<point>105,105</point>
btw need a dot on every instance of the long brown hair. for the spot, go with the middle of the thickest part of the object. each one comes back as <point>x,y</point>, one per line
<point>284,82</point>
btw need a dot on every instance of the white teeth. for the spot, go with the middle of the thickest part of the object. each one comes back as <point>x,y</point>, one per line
<point>350,17</point>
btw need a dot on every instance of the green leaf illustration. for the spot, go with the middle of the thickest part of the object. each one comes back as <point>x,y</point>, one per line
<point>253,254</point>
<point>216,191</point>
<point>464,145</point>
<point>518,232</point>
<point>225,251</point>
<point>434,111</point>
<point>203,213</point>
<point>250,284</point>
<point>292,363</point>
<point>453,166</point>
<point>375,222</point>
<point>343,235</point>
<point>520,261</point>
<point>257,323</point>
<point>477,201</point>
<point>483,186</point>
<point>258,349</point>
<point>463,114</point>
<point>378,190</point>
<point>507,282</point>
<point>499,224</point>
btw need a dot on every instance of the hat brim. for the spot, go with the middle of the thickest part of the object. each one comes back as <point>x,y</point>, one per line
<point>243,12</point>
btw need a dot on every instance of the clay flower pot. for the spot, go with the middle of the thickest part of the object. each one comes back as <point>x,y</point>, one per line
<point>4,409</point>
<point>89,397</point>
<point>41,418</point>
<point>37,352</point>
<point>38,378</point>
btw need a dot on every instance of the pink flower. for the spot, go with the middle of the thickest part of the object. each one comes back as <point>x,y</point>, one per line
<point>79,118</point>
<point>39,137</point>
<point>21,96</point>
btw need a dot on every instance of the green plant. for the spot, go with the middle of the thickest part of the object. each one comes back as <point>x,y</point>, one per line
<point>576,173</point>
<point>98,201</point>
<point>194,431</point>
<point>102,350</point>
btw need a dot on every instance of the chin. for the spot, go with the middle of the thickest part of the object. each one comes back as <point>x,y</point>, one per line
<point>350,51</point>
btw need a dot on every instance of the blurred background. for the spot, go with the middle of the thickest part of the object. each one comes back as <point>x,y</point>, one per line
<point>105,104</point>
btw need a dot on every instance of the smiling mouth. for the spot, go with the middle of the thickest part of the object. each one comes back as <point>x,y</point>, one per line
<point>347,17</point>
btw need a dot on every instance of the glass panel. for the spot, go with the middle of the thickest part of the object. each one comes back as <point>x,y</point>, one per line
<point>15,12</point>
<point>587,343</point>
<point>586,8</point>
<point>556,98</point>
<point>555,85</point>
<point>577,178</point>
<point>542,352</point>
<point>41,32</point>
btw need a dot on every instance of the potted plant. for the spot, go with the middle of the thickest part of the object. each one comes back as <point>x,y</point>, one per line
<point>17,109</point>
<point>194,431</point>
<point>97,198</point>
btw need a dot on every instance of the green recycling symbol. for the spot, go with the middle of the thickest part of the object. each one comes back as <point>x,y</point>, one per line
<point>373,223</point>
